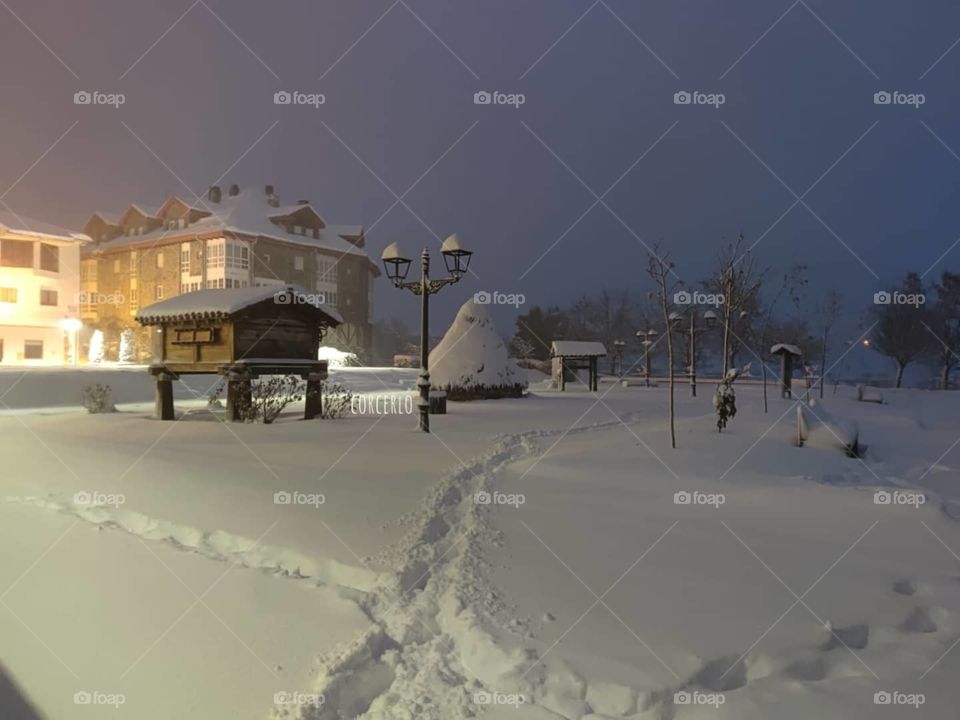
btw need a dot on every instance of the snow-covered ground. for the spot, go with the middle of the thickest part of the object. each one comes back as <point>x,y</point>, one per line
<point>531,559</point>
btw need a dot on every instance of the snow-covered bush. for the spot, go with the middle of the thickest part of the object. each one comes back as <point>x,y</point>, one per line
<point>725,399</point>
<point>268,398</point>
<point>128,351</point>
<point>97,399</point>
<point>95,352</point>
<point>336,401</point>
<point>471,361</point>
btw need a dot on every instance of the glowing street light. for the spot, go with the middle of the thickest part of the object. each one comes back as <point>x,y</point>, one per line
<point>72,326</point>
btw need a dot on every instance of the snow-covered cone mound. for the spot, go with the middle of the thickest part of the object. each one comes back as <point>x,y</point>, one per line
<point>471,361</point>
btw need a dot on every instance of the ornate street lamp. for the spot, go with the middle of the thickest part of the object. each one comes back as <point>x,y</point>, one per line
<point>397,266</point>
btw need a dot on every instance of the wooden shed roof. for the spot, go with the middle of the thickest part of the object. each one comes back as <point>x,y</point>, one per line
<point>577,348</point>
<point>218,304</point>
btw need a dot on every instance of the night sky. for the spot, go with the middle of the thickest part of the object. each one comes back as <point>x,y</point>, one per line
<point>597,162</point>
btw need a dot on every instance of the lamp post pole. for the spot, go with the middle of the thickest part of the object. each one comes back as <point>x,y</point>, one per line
<point>693,353</point>
<point>457,260</point>
<point>423,382</point>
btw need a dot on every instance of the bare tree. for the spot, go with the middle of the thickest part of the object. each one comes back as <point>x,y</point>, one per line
<point>828,311</point>
<point>945,326</point>
<point>738,279</point>
<point>660,268</point>
<point>901,332</point>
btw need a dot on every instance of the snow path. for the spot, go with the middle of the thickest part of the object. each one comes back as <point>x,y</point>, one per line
<point>216,545</point>
<point>429,651</point>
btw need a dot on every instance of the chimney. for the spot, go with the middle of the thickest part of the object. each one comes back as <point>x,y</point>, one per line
<point>234,190</point>
<point>213,194</point>
<point>268,190</point>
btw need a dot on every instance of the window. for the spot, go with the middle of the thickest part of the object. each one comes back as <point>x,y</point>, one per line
<point>49,298</point>
<point>16,253</point>
<point>237,255</point>
<point>33,349</point>
<point>116,265</point>
<point>215,250</point>
<point>326,271</point>
<point>158,293</point>
<point>185,260</point>
<point>134,299</point>
<point>133,262</point>
<point>8,294</point>
<point>298,262</point>
<point>215,284</point>
<point>88,270</point>
<point>298,229</point>
<point>159,260</point>
<point>49,258</point>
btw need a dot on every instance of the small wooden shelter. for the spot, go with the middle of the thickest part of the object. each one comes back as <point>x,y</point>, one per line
<point>241,334</point>
<point>572,355</point>
<point>787,354</point>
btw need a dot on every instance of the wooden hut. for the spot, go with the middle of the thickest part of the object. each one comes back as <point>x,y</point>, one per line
<point>787,354</point>
<point>572,355</point>
<point>240,334</point>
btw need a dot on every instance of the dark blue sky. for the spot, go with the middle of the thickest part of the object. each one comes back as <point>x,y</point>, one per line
<point>599,98</point>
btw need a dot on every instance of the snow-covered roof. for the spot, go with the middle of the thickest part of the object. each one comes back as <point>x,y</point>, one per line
<point>247,213</point>
<point>16,223</point>
<point>221,303</point>
<point>786,347</point>
<point>577,348</point>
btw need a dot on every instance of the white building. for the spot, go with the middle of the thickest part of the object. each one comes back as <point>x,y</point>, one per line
<point>39,291</point>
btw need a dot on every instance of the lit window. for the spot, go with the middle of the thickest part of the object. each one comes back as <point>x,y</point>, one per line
<point>116,265</point>
<point>159,259</point>
<point>185,261</point>
<point>8,294</point>
<point>49,298</point>
<point>215,254</point>
<point>33,349</point>
<point>298,262</point>
<point>158,294</point>
<point>134,298</point>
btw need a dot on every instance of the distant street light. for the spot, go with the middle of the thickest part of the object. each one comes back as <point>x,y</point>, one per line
<point>618,346</point>
<point>647,341</point>
<point>397,266</point>
<point>72,326</point>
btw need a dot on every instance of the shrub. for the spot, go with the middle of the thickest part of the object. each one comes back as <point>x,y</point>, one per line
<point>336,401</point>
<point>97,399</point>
